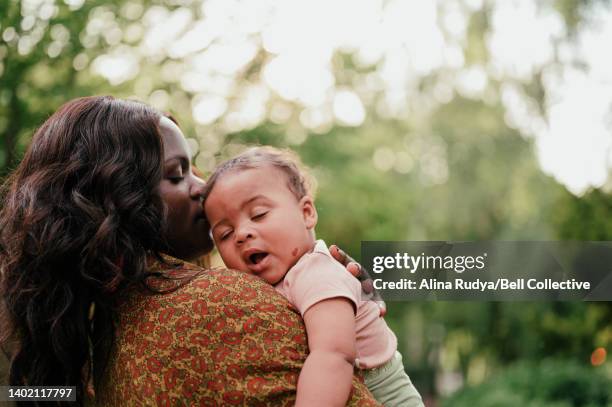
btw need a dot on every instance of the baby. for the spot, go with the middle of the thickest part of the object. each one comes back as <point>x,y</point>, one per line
<point>262,216</point>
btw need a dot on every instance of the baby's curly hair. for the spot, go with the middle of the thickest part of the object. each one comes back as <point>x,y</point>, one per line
<point>299,181</point>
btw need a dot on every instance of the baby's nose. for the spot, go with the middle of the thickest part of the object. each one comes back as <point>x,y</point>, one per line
<point>243,235</point>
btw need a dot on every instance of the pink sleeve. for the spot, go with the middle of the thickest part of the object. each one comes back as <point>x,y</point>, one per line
<point>317,277</point>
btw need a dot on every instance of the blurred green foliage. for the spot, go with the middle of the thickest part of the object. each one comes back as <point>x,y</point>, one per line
<point>551,383</point>
<point>456,172</point>
<point>37,58</point>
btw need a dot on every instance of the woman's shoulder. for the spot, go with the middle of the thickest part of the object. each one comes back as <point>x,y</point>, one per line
<point>214,337</point>
<point>191,299</point>
<point>182,285</point>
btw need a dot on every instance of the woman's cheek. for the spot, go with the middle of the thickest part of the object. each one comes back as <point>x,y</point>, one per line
<point>168,197</point>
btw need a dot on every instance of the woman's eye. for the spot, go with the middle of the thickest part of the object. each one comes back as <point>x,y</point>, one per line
<point>175,174</point>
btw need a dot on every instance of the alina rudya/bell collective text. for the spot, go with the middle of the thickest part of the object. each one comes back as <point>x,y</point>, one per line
<point>479,285</point>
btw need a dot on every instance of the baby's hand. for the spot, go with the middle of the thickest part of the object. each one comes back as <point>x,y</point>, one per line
<point>360,273</point>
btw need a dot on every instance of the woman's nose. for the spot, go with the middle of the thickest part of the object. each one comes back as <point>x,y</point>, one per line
<point>197,188</point>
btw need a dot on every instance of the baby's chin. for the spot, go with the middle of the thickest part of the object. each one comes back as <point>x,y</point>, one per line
<point>267,279</point>
<point>273,277</point>
<point>270,279</point>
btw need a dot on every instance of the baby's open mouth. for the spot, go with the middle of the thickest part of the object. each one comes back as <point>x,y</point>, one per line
<point>256,258</point>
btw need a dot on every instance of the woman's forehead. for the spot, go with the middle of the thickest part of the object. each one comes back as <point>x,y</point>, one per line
<point>175,144</point>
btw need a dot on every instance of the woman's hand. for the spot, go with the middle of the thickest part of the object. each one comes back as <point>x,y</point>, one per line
<point>361,274</point>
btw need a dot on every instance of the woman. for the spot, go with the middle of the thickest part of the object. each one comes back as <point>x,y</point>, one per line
<point>93,223</point>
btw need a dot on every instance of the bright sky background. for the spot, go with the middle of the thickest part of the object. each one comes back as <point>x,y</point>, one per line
<point>408,39</point>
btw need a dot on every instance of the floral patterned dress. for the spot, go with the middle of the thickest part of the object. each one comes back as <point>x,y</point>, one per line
<point>221,338</point>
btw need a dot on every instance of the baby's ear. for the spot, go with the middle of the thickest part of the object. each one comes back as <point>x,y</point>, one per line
<point>309,212</point>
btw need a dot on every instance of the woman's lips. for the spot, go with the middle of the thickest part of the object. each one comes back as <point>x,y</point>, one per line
<point>199,216</point>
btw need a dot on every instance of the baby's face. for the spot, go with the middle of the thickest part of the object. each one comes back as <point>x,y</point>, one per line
<point>258,224</point>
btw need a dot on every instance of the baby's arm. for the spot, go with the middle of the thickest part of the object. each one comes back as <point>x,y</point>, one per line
<point>358,271</point>
<point>326,376</point>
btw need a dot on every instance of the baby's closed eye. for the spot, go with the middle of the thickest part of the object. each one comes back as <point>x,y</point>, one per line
<point>224,234</point>
<point>259,215</point>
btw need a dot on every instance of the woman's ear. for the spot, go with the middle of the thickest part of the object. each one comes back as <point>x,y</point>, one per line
<point>309,212</point>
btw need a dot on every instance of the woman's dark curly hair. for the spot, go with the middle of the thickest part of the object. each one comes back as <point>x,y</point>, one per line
<point>80,215</point>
